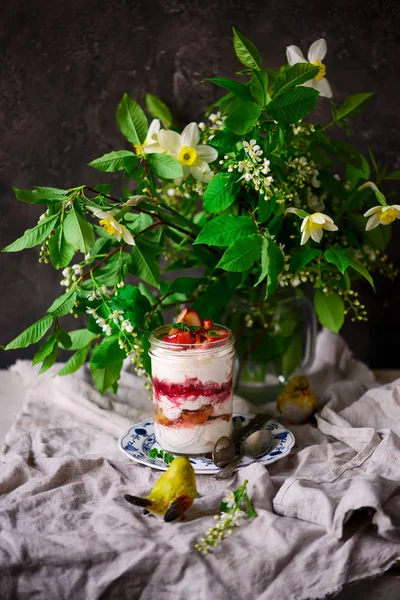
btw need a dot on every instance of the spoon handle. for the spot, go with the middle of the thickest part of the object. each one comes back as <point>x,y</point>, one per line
<point>228,471</point>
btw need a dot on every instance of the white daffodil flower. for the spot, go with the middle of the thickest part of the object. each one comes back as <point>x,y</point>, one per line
<point>111,225</point>
<point>150,144</point>
<point>185,148</point>
<point>313,226</point>
<point>382,215</point>
<point>316,55</point>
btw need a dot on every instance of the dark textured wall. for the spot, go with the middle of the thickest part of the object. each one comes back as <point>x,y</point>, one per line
<point>65,65</point>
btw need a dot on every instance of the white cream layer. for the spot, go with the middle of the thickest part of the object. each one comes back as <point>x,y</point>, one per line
<point>197,439</point>
<point>191,363</point>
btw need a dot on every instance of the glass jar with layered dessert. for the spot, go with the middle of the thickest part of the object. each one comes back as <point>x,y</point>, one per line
<point>192,384</point>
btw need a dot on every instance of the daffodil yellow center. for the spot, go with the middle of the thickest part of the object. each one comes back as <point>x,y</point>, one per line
<point>322,71</point>
<point>139,147</point>
<point>388,216</point>
<point>187,156</point>
<point>108,226</point>
<point>315,226</point>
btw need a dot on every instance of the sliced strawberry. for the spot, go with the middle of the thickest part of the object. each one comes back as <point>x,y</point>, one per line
<point>192,318</point>
<point>181,317</point>
<point>221,333</point>
<point>208,324</point>
<point>182,337</point>
<point>217,335</point>
<point>200,337</point>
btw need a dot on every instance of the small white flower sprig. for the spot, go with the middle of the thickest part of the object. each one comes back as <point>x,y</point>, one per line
<point>234,508</point>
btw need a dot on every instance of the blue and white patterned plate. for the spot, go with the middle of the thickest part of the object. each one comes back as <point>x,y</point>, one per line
<point>139,440</point>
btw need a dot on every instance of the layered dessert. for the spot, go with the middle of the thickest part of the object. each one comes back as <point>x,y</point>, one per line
<point>192,384</point>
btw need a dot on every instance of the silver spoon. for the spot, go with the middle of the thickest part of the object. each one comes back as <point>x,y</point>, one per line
<point>256,445</point>
<point>223,452</point>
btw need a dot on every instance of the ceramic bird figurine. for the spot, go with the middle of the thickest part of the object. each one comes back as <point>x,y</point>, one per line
<point>172,494</point>
<point>297,401</point>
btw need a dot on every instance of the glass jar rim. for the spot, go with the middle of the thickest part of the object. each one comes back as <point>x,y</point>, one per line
<point>211,346</point>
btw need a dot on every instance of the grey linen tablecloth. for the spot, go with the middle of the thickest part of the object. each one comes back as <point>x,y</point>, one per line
<point>66,531</point>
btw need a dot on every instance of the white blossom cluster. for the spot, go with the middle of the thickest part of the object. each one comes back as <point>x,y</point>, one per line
<point>301,127</point>
<point>303,172</point>
<point>116,317</point>
<point>255,169</point>
<point>226,522</point>
<point>71,275</point>
<point>217,123</point>
<point>100,293</point>
<point>317,203</point>
<point>286,278</point>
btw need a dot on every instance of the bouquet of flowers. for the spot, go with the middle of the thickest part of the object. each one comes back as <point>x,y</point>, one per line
<point>255,198</point>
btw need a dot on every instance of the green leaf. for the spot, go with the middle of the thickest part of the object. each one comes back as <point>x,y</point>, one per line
<point>259,87</point>
<point>146,360</point>
<point>275,266</point>
<point>241,254</point>
<point>113,161</point>
<point>301,258</point>
<point>379,237</point>
<point>264,260</point>
<point>49,360</point>
<point>357,266</point>
<point>31,335</point>
<point>221,192</point>
<point>107,353</point>
<point>75,362</point>
<point>133,303</point>
<point>185,285</point>
<point>131,120</point>
<point>394,175</point>
<point>80,338</point>
<point>265,208</point>
<point>353,105</point>
<point>330,310</point>
<point>44,350</point>
<point>225,139</point>
<point>293,105</point>
<point>63,338</point>
<point>113,270</point>
<point>164,166</point>
<point>33,237</point>
<point>291,358</point>
<point>78,232</point>
<point>354,174</point>
<point>211,304</point>
<point>158,109</point>
<point>240,90</point>
<point>61,252</point>
<point>222,231</point>
<point>144,263</point>
<point>339,257</point>
<point>295,75</point>
<point>345,152</point>
<point>243,117</point>
<point>62,305</point>
<point>332,185</point>
<point>136,223</point>
<point>246,51</point>
<point>41,195</point>
<point>105,378</point>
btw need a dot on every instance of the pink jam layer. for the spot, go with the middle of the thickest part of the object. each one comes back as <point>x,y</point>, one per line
<point>191,389</point>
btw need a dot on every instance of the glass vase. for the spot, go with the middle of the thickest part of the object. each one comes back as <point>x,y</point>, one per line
<point>274,340</point>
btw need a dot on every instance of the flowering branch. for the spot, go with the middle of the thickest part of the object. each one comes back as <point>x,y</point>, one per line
<point>234,507</point>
